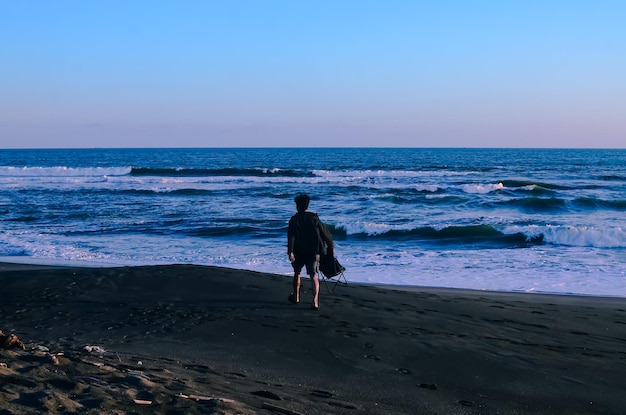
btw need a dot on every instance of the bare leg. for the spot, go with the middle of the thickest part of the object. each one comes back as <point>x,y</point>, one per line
<point>315,286</point>
<point>296,288</point>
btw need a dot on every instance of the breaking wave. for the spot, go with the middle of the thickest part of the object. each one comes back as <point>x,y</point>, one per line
<point>62,171</point>
<point>191,172</point>
<point>491,236</point>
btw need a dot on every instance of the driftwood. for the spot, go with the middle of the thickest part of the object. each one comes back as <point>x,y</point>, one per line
<point>10,341</point>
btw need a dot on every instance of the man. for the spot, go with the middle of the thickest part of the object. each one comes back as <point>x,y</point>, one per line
<point>307,238</point>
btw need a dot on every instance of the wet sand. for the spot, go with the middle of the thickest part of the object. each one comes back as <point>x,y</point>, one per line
<point>183,339</point>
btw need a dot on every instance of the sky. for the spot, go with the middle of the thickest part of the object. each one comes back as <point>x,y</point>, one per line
<point>313,73</point>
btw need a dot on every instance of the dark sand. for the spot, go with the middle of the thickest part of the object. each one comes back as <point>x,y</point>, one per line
<point>185,339</point>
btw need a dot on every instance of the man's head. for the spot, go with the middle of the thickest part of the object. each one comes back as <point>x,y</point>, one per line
<point>302,202</point>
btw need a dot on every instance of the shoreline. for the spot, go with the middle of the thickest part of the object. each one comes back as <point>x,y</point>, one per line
<point>7,264</point>
<point>231,337</point>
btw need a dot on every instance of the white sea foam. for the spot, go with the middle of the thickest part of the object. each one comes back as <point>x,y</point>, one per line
<point>586,236</point>
<point>369,228</point>
<point>479,188</point>
<point>567,235</point>
<point>427,188</point>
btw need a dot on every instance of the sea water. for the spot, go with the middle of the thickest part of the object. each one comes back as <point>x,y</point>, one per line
<point>531,220</point>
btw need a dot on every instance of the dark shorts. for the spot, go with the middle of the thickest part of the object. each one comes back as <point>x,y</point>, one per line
<point>312,265</point>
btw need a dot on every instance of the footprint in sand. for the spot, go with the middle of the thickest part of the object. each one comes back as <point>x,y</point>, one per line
<point>267,394</point>
<point>322,394</point>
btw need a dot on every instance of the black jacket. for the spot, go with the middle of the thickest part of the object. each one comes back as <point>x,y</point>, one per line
<point>306,235</point>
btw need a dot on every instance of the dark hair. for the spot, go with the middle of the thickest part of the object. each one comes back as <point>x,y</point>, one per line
<point>302,202</point>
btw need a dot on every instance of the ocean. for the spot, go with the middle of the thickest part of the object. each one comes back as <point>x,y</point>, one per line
<point>522,220</point>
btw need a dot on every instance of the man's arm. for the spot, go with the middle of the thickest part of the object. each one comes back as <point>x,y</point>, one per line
<point>291,237</point>
<point>326,236</point>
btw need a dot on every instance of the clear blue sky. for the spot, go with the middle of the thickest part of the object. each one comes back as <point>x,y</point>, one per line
<point>133,73</point>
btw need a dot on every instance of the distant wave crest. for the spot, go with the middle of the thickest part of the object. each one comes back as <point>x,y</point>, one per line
<point>191,172</point>
<point>62,171</point>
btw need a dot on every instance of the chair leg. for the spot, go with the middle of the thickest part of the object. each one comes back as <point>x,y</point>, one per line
<point>342,277</point>
<point>328,282</point>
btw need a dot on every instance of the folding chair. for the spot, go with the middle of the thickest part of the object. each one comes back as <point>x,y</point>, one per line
<point>331,269</point>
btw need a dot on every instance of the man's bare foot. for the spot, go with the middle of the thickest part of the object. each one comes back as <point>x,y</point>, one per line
<point>293,298</point>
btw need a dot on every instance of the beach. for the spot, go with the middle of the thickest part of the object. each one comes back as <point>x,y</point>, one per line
<point>187,339</point>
